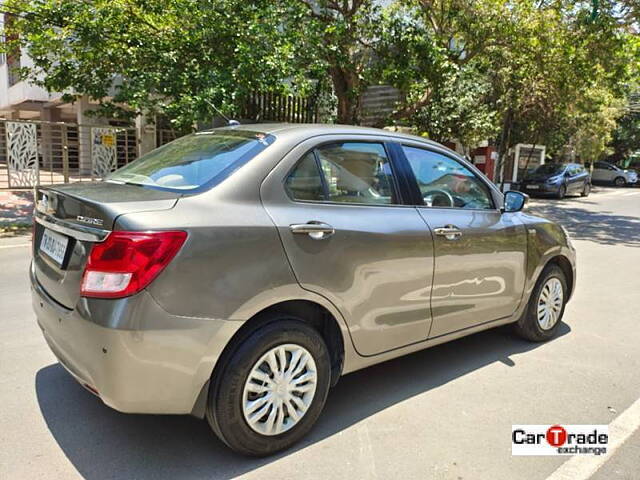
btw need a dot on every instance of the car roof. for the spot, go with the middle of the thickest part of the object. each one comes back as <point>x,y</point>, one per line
<point>316,129</point>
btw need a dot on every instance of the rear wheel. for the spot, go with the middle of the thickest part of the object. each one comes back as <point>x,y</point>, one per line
<point>619,182</point>
<point>544,312</point>
<point>272,389</point>
<point>562,191</point>
<point>586,190</point>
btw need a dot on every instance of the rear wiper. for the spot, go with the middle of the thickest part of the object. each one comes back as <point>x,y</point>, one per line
<point>120,182</point>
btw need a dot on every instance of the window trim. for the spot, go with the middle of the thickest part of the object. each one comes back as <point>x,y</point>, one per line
<point>398,185</point>
<point>418,200</point>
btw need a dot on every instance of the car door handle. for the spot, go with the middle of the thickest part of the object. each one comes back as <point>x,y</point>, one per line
<point>450,232</point>
<point>316,230</point>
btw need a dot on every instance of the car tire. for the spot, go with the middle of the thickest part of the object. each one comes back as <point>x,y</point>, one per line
<point>562,191</point>
<point>619,182</point>
<point>533,325</point>
<point>586,190</point>
<point>229,404</point>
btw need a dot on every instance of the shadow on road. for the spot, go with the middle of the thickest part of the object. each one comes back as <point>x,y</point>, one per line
<point>602,227</point>
<point>103,444</point>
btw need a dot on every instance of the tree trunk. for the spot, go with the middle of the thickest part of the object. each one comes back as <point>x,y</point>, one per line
<point>346,86</point>
<point>503,146</point>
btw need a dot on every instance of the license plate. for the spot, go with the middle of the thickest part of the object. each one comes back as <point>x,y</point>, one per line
<point>533,187</point>
<point>54,245</point>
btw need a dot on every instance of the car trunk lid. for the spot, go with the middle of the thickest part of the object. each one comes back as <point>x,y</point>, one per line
<point>71,218</point>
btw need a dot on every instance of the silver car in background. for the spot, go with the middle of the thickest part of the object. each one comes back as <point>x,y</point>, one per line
<point>236,274</point>
<point>605,172</point>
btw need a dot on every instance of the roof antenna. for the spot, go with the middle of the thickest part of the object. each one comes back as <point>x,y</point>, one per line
<point>230,122</point>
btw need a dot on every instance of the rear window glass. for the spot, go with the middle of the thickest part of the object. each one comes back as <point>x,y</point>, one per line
<point>194,162</point>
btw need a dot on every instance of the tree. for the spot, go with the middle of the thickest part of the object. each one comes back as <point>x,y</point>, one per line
<point>445,87</point>
<point>339,37</point>
<point>626,137</point>
<point>141,56</point>
<point>570,74</point>
<point>594,123</point>
<point>523,71</point>
<point>516,70</point>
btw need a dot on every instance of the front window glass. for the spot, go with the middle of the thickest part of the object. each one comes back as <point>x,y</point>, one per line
<point>195,161</point>
<point>444,182</point>
<point>575,170</point>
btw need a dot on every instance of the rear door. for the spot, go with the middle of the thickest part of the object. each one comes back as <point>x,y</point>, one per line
<point>338,205</point>
<point>480,253</point>
<point>601,172</point>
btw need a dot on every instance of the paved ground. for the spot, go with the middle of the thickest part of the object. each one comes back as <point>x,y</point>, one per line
<point>444,413</point>
<point>16,207</point>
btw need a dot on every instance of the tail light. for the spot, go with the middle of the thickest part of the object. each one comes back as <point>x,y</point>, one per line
<point>126,262</point>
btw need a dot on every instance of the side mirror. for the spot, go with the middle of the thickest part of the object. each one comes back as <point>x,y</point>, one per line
<point>514,201</point>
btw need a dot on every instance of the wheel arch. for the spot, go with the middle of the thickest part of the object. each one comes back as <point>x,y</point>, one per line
<point>565,265</point>
<point>619,177</point>
<point>313,313</point>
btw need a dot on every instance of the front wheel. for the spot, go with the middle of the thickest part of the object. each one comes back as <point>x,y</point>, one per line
<point>272,389</point>
<point>586,190</point>
<point>562,191</point>
<point>541,319</point>
<point>619,182</point>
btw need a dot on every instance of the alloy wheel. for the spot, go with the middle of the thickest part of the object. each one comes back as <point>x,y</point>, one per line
<point>550,303</point>
<point>279,389</point>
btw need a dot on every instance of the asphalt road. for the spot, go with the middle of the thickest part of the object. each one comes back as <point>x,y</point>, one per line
<point>444,413</point>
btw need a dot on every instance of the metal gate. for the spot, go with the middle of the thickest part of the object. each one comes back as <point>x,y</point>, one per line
<point>44,153</point>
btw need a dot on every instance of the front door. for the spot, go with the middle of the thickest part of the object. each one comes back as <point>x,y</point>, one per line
<point>577,178</point>
<point>339,213</point>
<point>480,253</point>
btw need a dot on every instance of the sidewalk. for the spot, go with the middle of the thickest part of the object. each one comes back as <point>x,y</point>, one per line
<point>16,208</point>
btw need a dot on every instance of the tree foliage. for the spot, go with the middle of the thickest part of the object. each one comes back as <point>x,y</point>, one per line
<point>625,137</point>
<point>532,72</point>
<point>177,56</point>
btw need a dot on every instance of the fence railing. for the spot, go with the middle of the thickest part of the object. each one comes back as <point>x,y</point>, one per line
<point>274,107</point>
<point>42,153</point>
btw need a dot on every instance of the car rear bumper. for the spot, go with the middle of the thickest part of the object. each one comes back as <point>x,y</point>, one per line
<point>543,189</point>
<point>143,360</point>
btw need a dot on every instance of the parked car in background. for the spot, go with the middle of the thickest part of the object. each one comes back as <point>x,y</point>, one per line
<point>557,179</point>
<point>632,164</point>
<point>237,273</point>
<point>604,172</point>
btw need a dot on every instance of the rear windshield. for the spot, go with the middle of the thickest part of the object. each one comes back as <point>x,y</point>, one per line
<point>195,162</point>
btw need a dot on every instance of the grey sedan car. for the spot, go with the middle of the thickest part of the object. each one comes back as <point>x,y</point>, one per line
<point>236,274</point>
